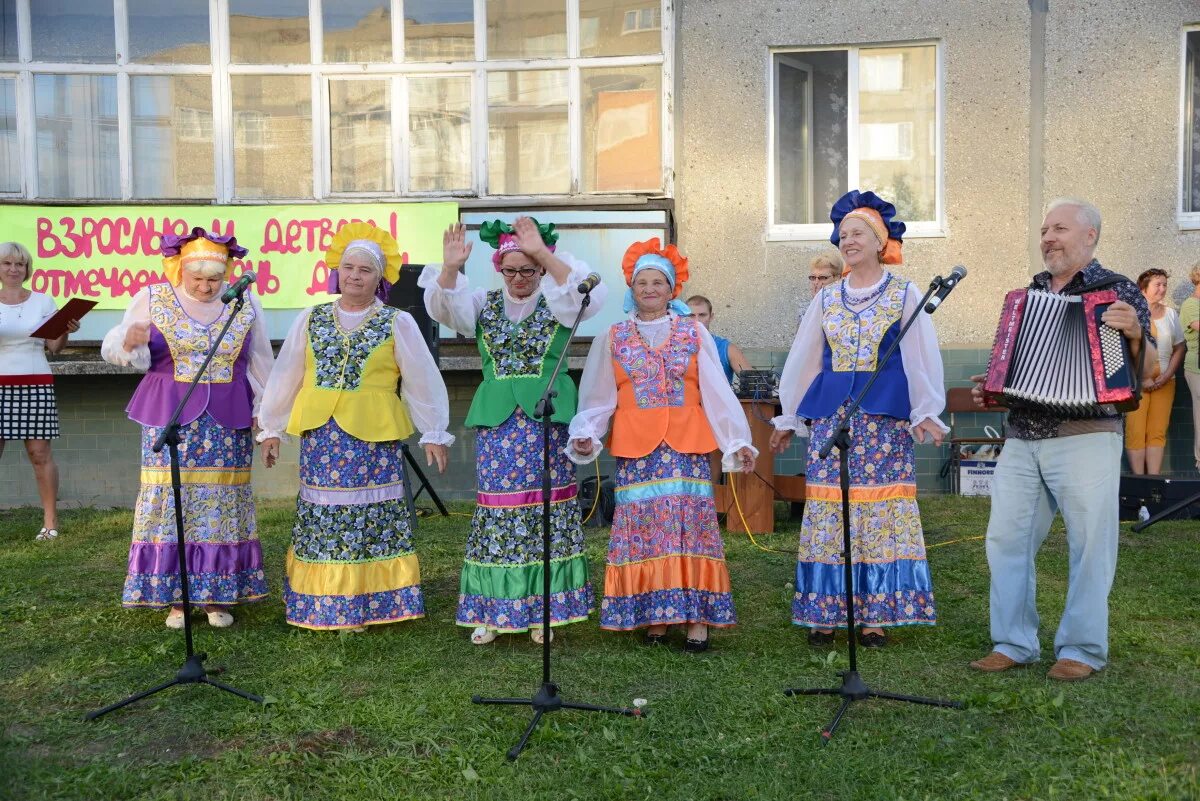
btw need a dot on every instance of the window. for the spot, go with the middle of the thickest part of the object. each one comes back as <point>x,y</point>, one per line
<point>1190,161</point>
<point>858,118</point>
<point>245,100</point>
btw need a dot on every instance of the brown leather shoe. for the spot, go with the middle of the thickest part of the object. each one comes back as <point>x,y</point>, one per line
<point>994,663</point>
<point>1070,670</point>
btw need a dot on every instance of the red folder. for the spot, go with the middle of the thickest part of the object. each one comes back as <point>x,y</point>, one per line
<point>56,325</point>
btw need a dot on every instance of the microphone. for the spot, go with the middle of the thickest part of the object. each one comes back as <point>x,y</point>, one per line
<point>237,290</point>
<point>589,283</point>
<point>948,283</point>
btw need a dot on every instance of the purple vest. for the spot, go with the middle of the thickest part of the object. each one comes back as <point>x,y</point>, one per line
<point>177,348</point>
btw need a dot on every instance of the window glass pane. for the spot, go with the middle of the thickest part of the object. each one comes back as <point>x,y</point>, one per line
<point>526,29</point>
<point>8,30</point>
<point>620,27</point>
<point>360,136</point>
<point>528,152</point>
<point>897,128</point>
<point>357,30</point>
<point>77,136</point>
<point>272,136</point>
<point>1191,130</point>
<point>439,133</point>
<point>268,32</point>
<point>439,30</point>
<point>172,135</point>
<point>73,30</point>
<point>168,31</point>
<point>10,154</point>
<point>622,129</point>
<point>811,157</point>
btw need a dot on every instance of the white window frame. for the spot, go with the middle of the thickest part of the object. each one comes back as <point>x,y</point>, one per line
<point>813,232</point>
<point>1185,220</point>
<point>221,71</point>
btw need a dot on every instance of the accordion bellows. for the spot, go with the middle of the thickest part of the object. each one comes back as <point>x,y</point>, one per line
<point>1053,353</point>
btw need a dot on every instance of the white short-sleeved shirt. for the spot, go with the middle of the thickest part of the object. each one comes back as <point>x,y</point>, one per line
<point>21,354</point>
<point>1168,332</point>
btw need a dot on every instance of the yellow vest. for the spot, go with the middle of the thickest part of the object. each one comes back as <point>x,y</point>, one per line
<point>351,376</point>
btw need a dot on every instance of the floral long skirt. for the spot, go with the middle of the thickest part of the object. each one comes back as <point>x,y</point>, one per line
<point>892,585</point>
<point>351,562</point>
<point>502,576</point>
<point>666,559</point>
<point>223,553</point>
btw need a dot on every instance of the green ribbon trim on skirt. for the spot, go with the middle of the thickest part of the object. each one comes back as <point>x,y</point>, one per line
<point>522,581</point>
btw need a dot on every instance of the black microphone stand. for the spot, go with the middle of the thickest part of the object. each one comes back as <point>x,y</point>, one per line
<point>546,698</point>
<point>853,687</point>
<point>193,670</point>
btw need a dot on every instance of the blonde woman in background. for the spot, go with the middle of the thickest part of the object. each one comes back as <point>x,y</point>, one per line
<point>1146,426</point>
<point>1189,321</point>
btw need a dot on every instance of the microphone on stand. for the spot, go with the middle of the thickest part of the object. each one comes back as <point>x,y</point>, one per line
<point>589,283</point>
<point>948,283</point>
<point>237,290</point>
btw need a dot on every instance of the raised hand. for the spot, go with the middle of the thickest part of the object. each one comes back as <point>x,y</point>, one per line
<point>529,238</point>
<point>455,247</point>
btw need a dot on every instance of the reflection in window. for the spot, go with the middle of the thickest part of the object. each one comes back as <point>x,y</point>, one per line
<point>619,27</point>
<point>360,136</point>
<point>172,136</point>
<point>272,134</point>
<point>357,30</point>
<point>622,129</point>
<point>268,32</point>
<point>526,29</point>
<point>528,150</point>
<point>76,136</point>
<point>1191,127</point>
<point>168,31</point>
<point>439,30</point>
<point>73,30</point>
<point>10,152</point>
<point>8,30</point>
<point>897,151</point>
<point>439,133</point>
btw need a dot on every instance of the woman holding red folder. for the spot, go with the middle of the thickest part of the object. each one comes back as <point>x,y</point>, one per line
<point>28,409</point>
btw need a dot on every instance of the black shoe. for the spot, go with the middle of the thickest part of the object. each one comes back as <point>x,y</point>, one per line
<point>695,646</point>
<point>654,639</point>
<point>872,640</point>
<point>819,638</point>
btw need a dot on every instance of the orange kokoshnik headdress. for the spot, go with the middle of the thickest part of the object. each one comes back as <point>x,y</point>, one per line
<point>668,261</point>
<point>198,245</point>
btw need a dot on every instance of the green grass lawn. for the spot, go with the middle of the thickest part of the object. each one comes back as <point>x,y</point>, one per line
<point>387,714</point>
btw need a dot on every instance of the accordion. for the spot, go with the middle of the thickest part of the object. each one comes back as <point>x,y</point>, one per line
<point>1053,353</point>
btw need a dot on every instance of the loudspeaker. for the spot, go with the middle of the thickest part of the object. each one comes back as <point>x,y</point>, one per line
<point>1157,493</point>
<point>405,295</point>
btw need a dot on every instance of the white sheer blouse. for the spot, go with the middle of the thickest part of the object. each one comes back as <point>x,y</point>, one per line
<point>919,349</point>
<point>258,369</point>
<point>598,394</point>
<point>459,308</point>
<point>424,391</point>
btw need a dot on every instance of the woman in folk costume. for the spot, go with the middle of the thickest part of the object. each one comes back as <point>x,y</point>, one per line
<point>351,563</point>
<point>167,331</point>
<point>521,330</point>
<point>846,328</point>
<point>658,377</point>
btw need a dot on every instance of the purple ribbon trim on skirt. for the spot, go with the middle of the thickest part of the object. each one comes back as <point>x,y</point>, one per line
<point>225,558</point>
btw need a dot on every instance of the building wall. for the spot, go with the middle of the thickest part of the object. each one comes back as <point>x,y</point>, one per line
<point>1111,109</point>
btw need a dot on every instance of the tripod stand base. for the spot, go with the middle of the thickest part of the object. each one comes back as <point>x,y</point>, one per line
<point>547,699</point>
<point>192,672</point>
<point>855,689</point>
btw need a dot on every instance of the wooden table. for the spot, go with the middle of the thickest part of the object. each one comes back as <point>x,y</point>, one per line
<point>757,491</point>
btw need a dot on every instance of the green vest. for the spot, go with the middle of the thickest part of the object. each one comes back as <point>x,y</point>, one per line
<point>517,361</point>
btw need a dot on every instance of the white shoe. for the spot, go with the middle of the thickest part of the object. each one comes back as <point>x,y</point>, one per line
<point>482,635</point>
<point>535,634</point>
<point>175,618</point>
<point>219,619</point>
<point>47,534</point>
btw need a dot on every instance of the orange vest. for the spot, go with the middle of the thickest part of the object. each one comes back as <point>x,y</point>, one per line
<point>658,393</point>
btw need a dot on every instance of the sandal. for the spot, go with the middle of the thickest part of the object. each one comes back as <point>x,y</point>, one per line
<point>175,618</point>
<point>482,635</point>
<point>47,534</point>
<point>695,646</point>
<point>535,634</point>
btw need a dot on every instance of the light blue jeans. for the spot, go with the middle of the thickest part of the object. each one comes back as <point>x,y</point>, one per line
<point>1080,476</point>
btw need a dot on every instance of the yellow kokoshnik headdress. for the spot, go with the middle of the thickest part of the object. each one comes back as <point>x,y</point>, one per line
<point>197,246</point>
<point>371,241</point>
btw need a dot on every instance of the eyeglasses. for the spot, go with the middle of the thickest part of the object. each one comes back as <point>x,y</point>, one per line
<point>524,272</point>
<point>821,278</point>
